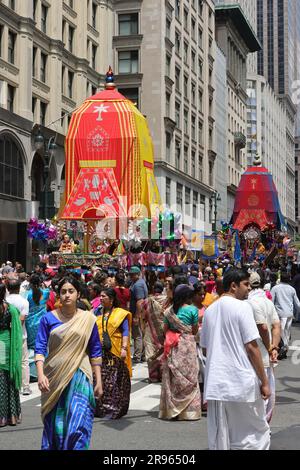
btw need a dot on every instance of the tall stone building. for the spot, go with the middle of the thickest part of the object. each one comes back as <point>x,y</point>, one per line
<point>236,39</point>
<point>278,25</point>
<point>250,12</point>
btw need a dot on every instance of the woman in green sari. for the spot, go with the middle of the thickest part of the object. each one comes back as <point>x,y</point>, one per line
<point>11,341</point>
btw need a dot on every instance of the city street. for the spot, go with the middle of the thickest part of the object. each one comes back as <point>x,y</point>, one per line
<point>141,428</point>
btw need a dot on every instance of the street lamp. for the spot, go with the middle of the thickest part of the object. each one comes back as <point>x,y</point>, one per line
<point>49,147</point>
<point>215,198</point>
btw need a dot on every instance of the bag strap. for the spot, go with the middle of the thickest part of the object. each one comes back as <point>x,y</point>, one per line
<point>106,320</point>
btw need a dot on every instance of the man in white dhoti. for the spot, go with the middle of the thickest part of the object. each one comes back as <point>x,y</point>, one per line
<point>236,384</point>
<point>268,324</point>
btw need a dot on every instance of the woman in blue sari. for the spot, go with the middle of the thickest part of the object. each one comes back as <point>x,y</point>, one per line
<point>37,299</point>
<point>70,338</point>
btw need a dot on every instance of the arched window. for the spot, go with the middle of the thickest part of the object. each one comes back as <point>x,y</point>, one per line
<point>37,178</point>
<point>11,167</point>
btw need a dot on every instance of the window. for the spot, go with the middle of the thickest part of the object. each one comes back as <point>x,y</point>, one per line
<point>168,65</point>
<point>179,197</point>
<point>178,154</point>
<point>186,19</point>
<point>201,100</point>
<point>168,146</point>
<point>200,167</point>
<point>94,56</point>
<point>71,4</point>
<point>128,62</point>
<point>177,114</point>
<point>1,39</point>
<point>33,106</point>
<point>202,207</point>
<point>128,24</point>
<point>12,4</point>
<point>177,78</point>
<point>200,38</point>
<point>200,132</point>
<point>43,73</point>
<point>63,70</point>
<point>185,52</point>
<point>70,84</point>
<point>194,163</point>
<point>188,201</point>
<point>186,121</point>
<point>185,86</point>
<point>168,99</point>
<point>193,93</point>
<point>94,90</point>
<point>193,61</point>
<point>44,14</point>
<point>34,9</point>
<point>168,192</point>
<point>11,168</point>
<point>10,98</point>
<point>200,69</point>
<point>94,15</point>
<point>71,38</point>
<point>34,54</point>
<point>177,42</point>
<point>168,28</point>
<point>193,127</point>
<point>43,113</point>
<point>211,173</point>
<point>11,47</point>
<point>131,94</point>
<point>186,159</point>
<point>195,204</point>
<point>177,9</point>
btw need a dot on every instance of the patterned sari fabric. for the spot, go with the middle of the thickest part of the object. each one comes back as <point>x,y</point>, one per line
<point>10,367</point>
<point>69,425</point>
<point>115,371</point>
<point>116,388</point>
<point>32,322</point>
<point>180,394</point>
<point>154,334</point>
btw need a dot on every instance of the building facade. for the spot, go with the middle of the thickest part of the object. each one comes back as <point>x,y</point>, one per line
<point>249,8</point>
<point>266,132</point>
<point>278,26</point>
<point>236,39</point>
<point>50,56</point>
<point>164,59</point>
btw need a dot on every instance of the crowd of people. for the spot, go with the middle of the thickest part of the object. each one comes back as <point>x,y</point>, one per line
<point>210,334</point>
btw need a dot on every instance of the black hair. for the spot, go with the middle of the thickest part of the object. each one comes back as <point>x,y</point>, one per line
<point>120,279</point>
<point>84,292</point>
<point>284,277</point>
<point>95,287</point>
<point>42,265</point>
<point>273,279</point>
<point>35,283</point>
<point>13,285</point>
<point>199,287</point>
<point>180,279</point>
<point>235,275</point>
<point>68,280</point>
<point>158,287</point>
<point>111,293</point>
<point>182,298</point>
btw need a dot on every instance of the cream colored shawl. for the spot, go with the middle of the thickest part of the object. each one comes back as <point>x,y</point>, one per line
<point>67,353</point>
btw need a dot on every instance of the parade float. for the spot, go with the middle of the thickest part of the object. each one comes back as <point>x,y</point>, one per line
<point>112,207</point>
<point>257,228</point>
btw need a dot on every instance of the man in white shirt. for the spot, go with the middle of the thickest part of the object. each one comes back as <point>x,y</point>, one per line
<point>236,384</point>
<point>268,324</point>
<point>14,298</point>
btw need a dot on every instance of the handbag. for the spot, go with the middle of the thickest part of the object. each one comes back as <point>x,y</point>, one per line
<point>106,341</point>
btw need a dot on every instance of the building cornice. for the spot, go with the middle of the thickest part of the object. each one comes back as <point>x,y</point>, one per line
<point>11,68</point>
<point>69,10</point>
<point>40,85</point>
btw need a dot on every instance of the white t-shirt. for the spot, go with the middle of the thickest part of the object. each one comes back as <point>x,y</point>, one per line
<point>229,375</point>
<point>22,305</point>
<point>264,313</point>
